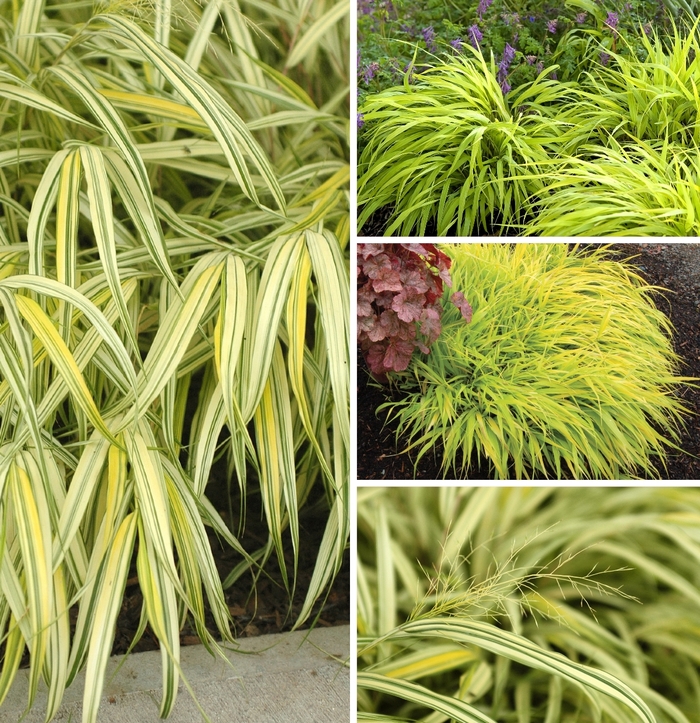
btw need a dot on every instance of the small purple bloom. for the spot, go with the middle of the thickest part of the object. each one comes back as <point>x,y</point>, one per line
<point>366,7</point>
<point>604,58</point>
<point>612,20</point>
<point>483,7</point>
<point>456,44</point>
<point>508,55</point>
<point>370,71</point>
<point>475,36</point>
<point>531,18</point>
<point>581,18</point>
<point>647,29</point>
<point>360,121</point>
<point>539,67</point>
<point>429,37</point>
<point>552,26</point>
<point>530,59</point>
<point>504,65</point>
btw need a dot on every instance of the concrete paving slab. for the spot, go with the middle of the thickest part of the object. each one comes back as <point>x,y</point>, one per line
<point>296,677</point>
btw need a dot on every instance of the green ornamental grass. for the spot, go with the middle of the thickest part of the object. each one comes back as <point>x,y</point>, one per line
<point>640,189</point>
<point>173,291</point>
<point>565,369</point>
<point>548,605</point>
<point>452,149</point>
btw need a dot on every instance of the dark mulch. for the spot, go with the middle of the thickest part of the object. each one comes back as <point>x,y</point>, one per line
<point>377,224</point>
<point>674,266</point>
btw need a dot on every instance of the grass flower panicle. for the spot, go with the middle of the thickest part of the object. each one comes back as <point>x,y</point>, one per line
<point>465,592</point>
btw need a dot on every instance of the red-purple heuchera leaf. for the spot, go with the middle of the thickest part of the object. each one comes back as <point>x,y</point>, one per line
<point>388,281</point>
<point>408,305</point>
<point>365,297</point>
<point>462,304</point>
<point>398,355</point>
<point>374,357</point>
<point>377,266</point>
<point>367,250</point>
<point>393,326</point>
<point>398,302</point>
<point>365,324</point>
<point>430,325</point>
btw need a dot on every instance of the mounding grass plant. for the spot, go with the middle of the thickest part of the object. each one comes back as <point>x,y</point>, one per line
<point>636,189</point>
<point>451,148</point>
<point>173,290</point>
<point>565,369</point>
<point>544,605</point>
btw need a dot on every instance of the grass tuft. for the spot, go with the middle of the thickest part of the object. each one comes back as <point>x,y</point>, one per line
<point>566,369</point>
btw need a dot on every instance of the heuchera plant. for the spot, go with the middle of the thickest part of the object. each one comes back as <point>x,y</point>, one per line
<point>399,287</point>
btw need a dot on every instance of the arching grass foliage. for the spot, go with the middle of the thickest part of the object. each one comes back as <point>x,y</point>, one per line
<point>611,154</point>
<point>173,289</point>
<point>497,604</point>
<point>565,369</point>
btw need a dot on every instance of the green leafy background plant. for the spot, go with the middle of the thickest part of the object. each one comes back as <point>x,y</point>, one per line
<point>495,604</point>
<point>173,288</point>
<point>565,369</point>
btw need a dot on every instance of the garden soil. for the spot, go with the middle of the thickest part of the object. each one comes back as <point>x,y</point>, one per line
<point>673,266</point>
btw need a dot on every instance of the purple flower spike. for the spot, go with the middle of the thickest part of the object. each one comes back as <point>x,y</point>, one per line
<point>475,36</point>
<point>503,66</point>
<point>581,18</point>
<point>508,55</point>
<point>483,7</point>
<point>604,58</point>
<point>370,71</point>
<point>360,121</point>
<point>456,44</point>
<point>612,20</point>
<point>429,37</point>
<point>552,26</point>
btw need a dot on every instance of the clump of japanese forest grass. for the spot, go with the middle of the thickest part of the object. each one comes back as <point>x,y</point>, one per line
<point>565,369</point>
<point>452,149</point>
<point>605,632</point>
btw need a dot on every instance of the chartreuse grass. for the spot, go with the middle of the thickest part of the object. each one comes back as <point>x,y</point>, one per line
<point>542,605</point>
<point>451,148</point>
<point>173,289</point>
<point>566,369</point>
<point>642,189</point>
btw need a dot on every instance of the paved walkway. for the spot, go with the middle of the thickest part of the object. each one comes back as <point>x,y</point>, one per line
<point>293,678</point>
